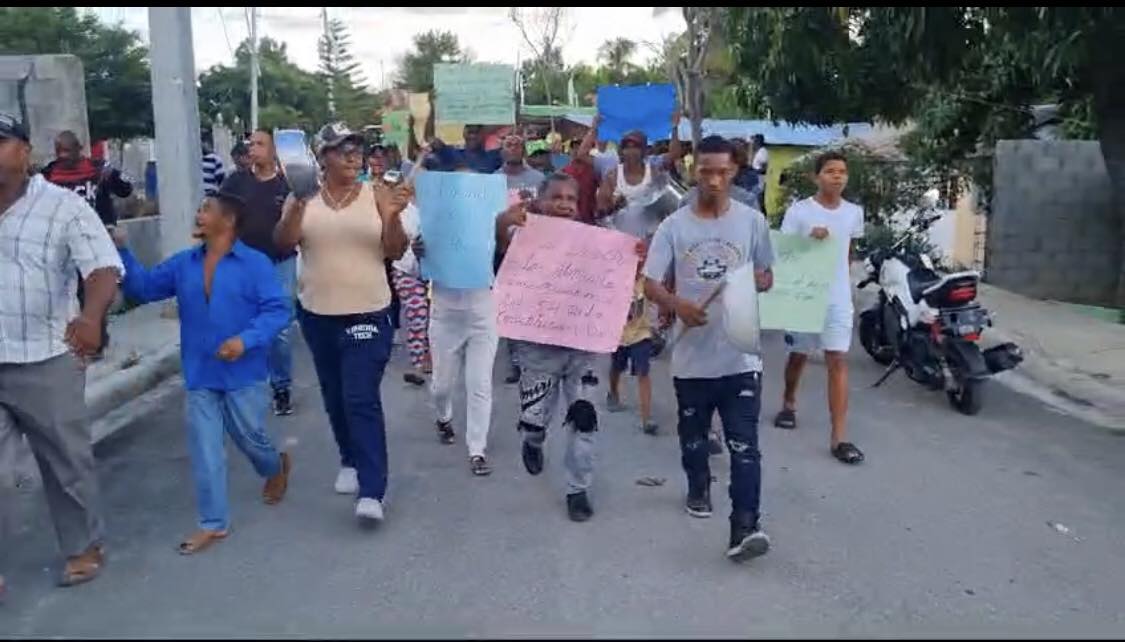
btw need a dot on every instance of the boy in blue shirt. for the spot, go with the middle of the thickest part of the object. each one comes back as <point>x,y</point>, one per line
<point>231,307</point>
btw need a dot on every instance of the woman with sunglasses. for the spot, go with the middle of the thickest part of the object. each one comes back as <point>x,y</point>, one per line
<point>346,230</point>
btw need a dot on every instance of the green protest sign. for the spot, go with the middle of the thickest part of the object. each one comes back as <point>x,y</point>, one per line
<point>802,277</point>
<point>396,129</point>
<point>475,94</point>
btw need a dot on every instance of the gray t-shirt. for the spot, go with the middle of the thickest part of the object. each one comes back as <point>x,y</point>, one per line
<point>702,251</point>
<point>527,179</point>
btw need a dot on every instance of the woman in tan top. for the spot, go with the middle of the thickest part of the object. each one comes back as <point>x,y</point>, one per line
<point>345,231</point>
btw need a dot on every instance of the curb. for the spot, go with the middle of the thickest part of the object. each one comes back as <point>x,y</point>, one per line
<point>115,392</point>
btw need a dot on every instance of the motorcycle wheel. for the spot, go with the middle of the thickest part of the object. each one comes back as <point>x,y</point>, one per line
<point>968,398</point>
<point>869,339</point>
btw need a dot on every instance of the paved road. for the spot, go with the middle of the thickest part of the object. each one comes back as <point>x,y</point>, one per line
<point>944,531</point>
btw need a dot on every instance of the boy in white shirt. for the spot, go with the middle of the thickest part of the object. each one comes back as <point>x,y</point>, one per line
<point>828,217</point>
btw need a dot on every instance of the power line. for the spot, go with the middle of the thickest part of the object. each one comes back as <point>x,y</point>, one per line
<point>223,20</point>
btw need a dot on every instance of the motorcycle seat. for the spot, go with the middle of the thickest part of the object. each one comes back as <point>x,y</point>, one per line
<point>921,280</point>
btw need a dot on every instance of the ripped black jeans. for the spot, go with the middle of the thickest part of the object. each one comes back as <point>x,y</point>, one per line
<point>738,400</point>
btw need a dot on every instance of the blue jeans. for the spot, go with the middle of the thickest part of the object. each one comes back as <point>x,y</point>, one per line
<point>281,350</point>
<point>738,400</point>
<point>242,415</point>
<point>350,353</point>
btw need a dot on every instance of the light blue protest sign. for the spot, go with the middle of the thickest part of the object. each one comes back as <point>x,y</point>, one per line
<point>458,214</point>
<point>624,108</point>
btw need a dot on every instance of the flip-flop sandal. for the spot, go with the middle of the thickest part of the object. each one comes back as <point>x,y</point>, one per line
<point>786,419</point>
<point>848,453</point>
<point>200,541</point>
<point>82,569</point>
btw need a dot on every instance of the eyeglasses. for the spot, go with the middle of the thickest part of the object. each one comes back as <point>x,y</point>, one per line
<point>349,149</point>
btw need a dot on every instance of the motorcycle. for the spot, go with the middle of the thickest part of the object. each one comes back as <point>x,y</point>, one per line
<point>929,324</point>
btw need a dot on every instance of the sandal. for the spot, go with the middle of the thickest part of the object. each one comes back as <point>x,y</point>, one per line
<point>479,466</point>
<point>82,568</point>
<point>847,452</point>
<point>414,379</point>
<point>200,541</point>
<point>786,419</point>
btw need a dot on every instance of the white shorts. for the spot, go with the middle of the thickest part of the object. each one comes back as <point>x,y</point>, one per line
<point>836,336</point>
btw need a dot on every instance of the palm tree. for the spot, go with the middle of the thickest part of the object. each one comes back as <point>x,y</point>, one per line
<point>616,54</point>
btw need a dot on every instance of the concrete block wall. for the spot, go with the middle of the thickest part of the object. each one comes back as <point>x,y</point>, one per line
<point>54,98</point>
<point>1053,232</point>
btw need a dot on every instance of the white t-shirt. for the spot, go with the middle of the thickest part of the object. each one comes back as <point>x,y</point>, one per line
<point>844,223</point>
<point>761,157</point>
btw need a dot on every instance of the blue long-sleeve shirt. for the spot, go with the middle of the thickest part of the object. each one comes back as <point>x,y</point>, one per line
<point>246,301</point>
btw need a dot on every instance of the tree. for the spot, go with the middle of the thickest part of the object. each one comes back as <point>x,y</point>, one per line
<point>702,23</point>
<point>973,72</point>
<point>616,55</point>
<point>115,64</point>
<point>291,97</point>
<point>541,28</point>
<point>416,68</point>
<point>348,98</point>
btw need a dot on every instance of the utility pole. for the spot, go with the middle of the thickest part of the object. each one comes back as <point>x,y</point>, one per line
<point>175,108</point>
<point>253,68</point>
<point>330,50</point>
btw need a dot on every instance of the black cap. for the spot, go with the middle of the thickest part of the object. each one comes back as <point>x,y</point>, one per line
<point>333,134</point>
<point>11,127</point>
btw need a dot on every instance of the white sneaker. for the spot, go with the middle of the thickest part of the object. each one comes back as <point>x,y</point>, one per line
<point>347,482</point>
<point>369,508</point>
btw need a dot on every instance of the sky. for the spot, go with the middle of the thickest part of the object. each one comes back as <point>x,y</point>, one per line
<point>381,35</point>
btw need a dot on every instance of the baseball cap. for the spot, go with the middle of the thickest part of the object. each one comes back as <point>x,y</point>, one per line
<point>636,137</point>
<point>11,127</point>
<point>333,134</point>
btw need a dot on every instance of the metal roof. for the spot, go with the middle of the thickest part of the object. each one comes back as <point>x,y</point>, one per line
<point>782,133</point>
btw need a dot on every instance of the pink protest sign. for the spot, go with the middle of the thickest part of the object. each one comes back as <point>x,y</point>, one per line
<point>567,284</point>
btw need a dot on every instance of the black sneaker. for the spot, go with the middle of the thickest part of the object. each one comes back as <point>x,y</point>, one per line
<point>747,541</point>
<point>513,375</point>
<point>698,503</point>
<point>578,507</point>
<point>414,379</point>
<point>532,458</point>
<point>589,379</point>
<point>282,404</point>
<point>445,432</point>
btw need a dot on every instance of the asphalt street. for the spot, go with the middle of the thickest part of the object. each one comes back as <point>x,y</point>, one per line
<point>1011,523</point>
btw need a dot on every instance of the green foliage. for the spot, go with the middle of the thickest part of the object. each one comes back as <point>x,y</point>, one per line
<point>289,96</point>
<point>882,186</point>
<point>341,75</point>
<point>115,64</point>
<point>416,68</point>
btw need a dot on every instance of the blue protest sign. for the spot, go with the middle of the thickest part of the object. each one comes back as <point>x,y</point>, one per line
<point>458,214</point>
<point>648,108</point>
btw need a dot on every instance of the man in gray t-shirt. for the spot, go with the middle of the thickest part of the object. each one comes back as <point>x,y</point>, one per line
<point>700,245</point>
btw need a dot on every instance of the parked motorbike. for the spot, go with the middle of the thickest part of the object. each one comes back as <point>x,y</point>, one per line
<point>929,324</point>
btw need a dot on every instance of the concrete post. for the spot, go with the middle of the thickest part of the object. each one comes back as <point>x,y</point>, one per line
<point>176,118</point>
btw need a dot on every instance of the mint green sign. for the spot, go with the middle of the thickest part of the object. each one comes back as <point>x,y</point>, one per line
<point>802,277</point>
<point>475,94</point>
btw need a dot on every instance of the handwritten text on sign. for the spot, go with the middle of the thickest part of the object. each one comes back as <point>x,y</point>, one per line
<point>475,94</point>
<point>566,284</point>
<point>802,277</point>
<point>458,215</point>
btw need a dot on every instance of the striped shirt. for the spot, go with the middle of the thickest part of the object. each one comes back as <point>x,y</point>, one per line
<point>47,237</point>
<point>213,173</point>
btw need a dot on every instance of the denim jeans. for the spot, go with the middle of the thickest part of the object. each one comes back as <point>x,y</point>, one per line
<point>281,350</point>
<point>738,400</point>
<point>350,353</point>
<point>242,415</point>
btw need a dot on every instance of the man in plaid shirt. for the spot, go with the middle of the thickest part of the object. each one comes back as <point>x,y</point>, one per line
<point>48,237</point>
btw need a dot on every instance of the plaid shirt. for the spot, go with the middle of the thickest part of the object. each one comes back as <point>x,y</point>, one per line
<point>47,237</point>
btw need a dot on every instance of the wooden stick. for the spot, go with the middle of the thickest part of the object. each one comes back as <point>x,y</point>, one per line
<point>706,303</point>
